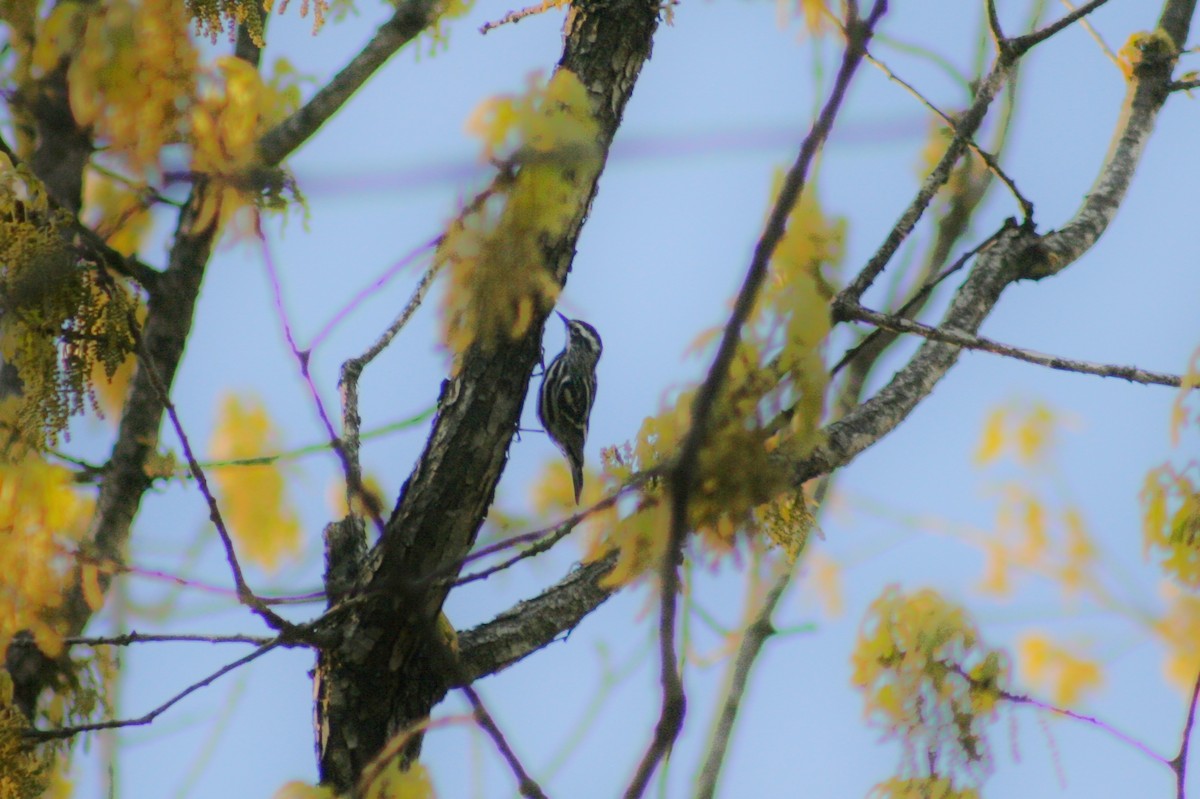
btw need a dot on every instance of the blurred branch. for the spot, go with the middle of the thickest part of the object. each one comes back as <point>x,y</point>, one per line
<point>244,594</point>
<point>973,342</point>
<point>69,732</point>
<point>1016,253</point>
<point>1178,763</point>
<point>670,721</point>
<point>988,159</point>
<point>754,638</point>
<point>411,17</point>
<point>525,784</point>
<point>1022,44</point>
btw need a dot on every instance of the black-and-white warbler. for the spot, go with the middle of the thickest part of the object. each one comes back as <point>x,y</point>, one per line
<point>568,391</point>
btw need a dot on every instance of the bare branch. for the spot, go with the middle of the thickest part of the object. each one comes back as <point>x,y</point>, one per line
<point>1178,763</point>
<point>967,126</point>
<point>513,17</point>
<point>754,638</point>
<point>245,595</point>
<point>1023,44</point>
<point>525,784</point>
<point>988,159</point>
<point>1017,253</point>
<point>157,638</point>
<point>69,732</point>
<point>972,342</point>
<point>1148,90</point>
<point>1021,699</point>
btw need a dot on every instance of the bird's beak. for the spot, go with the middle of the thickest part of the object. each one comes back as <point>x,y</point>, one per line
<point>561,316</point>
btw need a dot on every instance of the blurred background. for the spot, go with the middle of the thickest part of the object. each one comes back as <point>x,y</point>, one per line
<point>722,105</point>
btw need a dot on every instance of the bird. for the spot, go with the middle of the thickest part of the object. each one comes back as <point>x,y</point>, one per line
<point>567,393</point>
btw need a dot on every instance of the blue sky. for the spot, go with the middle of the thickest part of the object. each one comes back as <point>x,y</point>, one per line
<point>721,105</point>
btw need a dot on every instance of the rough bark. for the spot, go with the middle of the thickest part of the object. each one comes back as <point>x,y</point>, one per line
<point>387,673</point>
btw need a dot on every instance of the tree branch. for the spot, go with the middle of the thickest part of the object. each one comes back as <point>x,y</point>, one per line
<point>1016,254</point>
<point>858,34</point>
<point>1178,763</point>
<point>381,678</point>
<point>972,342</point>
<point>411,17</point>
<point>69,732</point>
<point>532,624</point>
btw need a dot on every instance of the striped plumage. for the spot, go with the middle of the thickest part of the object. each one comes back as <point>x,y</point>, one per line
<point>567,393</point>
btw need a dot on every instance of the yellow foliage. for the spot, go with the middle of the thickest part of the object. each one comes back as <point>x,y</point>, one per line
<point>1187,393</point>
<point>926,677</point>
<point>42,520</point>
<point>60,319</point>
<point>1055,670</point>
<point>253,498</point>
<point>393,782</point>
<point>991,443</point>
<point>1171,522</point>
<point>500,280</point>
<point>767,414</point>
<point>788,522</point>
<point>24,768</point>
<point>1027,430</point>
<point>966,178</point>
<point>302,790</point>
<point>931,787</point>
<point>59,36</point>
<point>364,507</point>
<point>825,581</point>
<point>1145,47</point>
<point>1179,629</point>
<point>997,563</point>
<point>116,211</point>
<point>134,77</point>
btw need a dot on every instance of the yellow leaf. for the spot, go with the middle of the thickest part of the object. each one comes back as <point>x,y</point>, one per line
<point>1034,433</point>
<point>59,36</point>
<point>93,594</point>
<point>253,498</point>
<point>392,782</point>
<point>1052,668</point>
<point>302,790</point>
<point>42,519</point>
<point>991,442</point>
<point>1179,629</point>
<point>826,579</point>
<point>995,579</point>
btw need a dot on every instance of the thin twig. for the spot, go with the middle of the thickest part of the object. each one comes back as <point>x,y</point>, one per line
<point>918,297</point>
<point>858,33</point>
<point>899,324</point>
<point>542,539</point>
<point>151,638</point>
<point>988,159</point>
<point>967,125</point>
<point>525,784</point>
<point>1095,34</point>
<point>393,270</point>
<point>1022,44</point>
<point>513,17</point>
<point>1022,699</point>
<point>754,639</point>
<point>303,359</point>
<point>244,594</point>
<point>69,732</point>
<point>1178,764</point>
